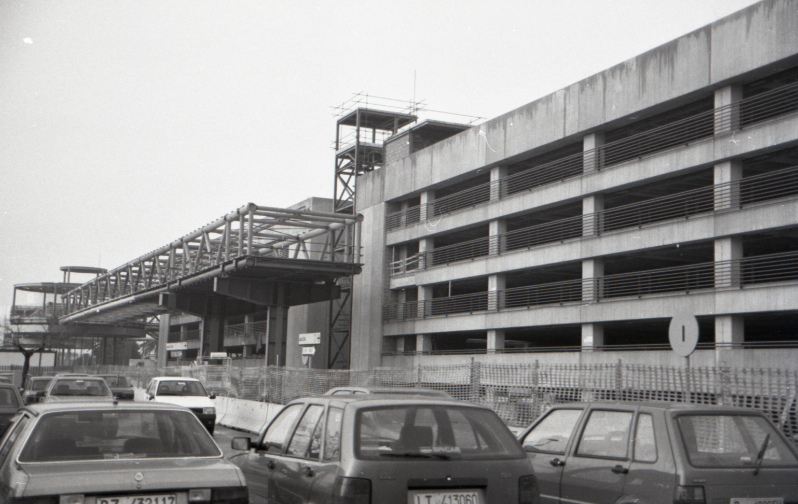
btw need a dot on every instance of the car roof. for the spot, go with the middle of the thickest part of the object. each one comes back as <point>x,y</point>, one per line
<point>37,408</point>
<point>389,390</point>
<point>174,378</point>
<point>665,406</point>
<point>362,400</point>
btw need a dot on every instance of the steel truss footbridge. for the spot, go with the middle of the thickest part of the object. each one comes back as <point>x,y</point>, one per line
<point>253,259</point>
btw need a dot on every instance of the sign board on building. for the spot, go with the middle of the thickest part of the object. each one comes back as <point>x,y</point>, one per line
<point>218,355</point>
<point>313,338</point>
<point>176,354</point>
<point>683,333</point>
<point>309,351</point>
<point>178,345</point>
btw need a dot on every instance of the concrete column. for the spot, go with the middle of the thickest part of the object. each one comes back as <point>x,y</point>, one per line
<point>423,343</point>
<point>727,109</point>
<point>592,215</point>
<point>496,286</point>
<point>727,274</point>
<point>425,246</point>
<point>729,329</point>
<point>403,216</point>
<point>163,337</point>
<point>495,340</point>
<point>427,202</point>
<point>593,156</point>
<point>592,272</point>
<point>400,345</point>
<point>424,295</point>
<point>727,177</point>
<point>497,231</point>
<point>497,189</point>
<point>592,336</point>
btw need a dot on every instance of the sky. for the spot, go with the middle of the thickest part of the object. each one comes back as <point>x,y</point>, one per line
<point>125,125</point>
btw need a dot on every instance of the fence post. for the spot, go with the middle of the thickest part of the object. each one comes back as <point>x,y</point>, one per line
<point>619,381</point>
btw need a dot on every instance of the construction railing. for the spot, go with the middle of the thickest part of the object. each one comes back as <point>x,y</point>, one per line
<point>779,102</point>
<point>519,393</point>
<point>761,270</point>
<point>251,230</point>
<point>726,197</point>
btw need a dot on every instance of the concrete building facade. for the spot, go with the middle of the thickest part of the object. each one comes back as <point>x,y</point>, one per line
<point>573,228</point>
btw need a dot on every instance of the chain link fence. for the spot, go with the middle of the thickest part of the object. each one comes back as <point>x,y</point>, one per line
<point>518,393</point>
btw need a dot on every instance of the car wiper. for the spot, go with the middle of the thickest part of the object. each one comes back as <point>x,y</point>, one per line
<point>442,456</point>
<point>761,455</point>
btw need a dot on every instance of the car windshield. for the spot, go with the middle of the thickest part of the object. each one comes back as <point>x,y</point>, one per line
<point>181,388</point>
<point>115,381</point>
<point>426,431</point>
<point>117,434</point>
<point>80,387</point>
<point>39,384</point>
<point>733,441</point>
<point>8,398</point>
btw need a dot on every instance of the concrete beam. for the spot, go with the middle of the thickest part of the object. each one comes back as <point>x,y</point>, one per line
<point>270,293</point>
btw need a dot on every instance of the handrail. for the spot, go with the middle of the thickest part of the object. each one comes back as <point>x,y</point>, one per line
<point>679,280</point>
<point>725,197</point>
<point>702,126</point>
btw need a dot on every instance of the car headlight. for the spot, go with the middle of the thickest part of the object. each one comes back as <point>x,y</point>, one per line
<point>208,411</point>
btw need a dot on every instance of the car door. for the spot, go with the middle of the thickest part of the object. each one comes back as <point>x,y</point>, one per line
<point>596,470</point>
<point>294,470</point>
<point>546,444</point>
<point>258,464</point>
<point>328,436</point>
<point>652,472</point>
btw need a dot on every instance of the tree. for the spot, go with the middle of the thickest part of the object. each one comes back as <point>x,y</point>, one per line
<point>27,353</point>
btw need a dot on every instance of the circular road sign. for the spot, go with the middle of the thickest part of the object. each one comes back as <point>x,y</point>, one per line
<point>683,333</point>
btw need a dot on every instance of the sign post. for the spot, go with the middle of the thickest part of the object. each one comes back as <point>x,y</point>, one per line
<point>683,335</point>
<point>306,340</point>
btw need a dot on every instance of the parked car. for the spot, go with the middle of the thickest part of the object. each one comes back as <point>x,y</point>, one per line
<point>75,452</point>
<point>371,448</point>
<point>35,387</point>
<point>77,388</point>
<point>660,453</point>
<point>119,386</point>
<point>387,390</point>
<point>186,392</point>
<point>10,403</point>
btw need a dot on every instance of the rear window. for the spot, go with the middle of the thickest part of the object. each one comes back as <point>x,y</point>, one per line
<point>80,387</point>
<point>8,398</point>
<point>39,384</point>
<point>118,434</point>
<point>426,431</point>
<point>181,388</point>
<point>733,441</point>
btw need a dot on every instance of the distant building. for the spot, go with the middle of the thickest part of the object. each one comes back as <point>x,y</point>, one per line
<point>573,228</point>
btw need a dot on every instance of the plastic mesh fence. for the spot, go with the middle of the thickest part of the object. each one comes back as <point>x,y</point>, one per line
<point>518,393</point>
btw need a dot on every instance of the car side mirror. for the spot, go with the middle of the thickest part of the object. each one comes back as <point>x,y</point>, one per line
<point>151,397</point>
<point>40,394</point>
<point>241,443</point>
<point>212,396</point>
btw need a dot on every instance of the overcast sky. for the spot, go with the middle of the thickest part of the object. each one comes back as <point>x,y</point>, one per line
<point>127,124</point>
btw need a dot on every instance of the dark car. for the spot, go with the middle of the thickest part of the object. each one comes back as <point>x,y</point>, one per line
<point>114,453</point>
<point>119,386</point>
<point>10,403</point>
<point>387,390</point>
<point>383,449</point>
<point>660,453</point>
<point>35,387</point>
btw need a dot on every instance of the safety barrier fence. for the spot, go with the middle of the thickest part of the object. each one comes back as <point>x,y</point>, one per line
<point>519,393</point>
<point>703,126</point>
<point>726,197</point>
<point>758,271</point>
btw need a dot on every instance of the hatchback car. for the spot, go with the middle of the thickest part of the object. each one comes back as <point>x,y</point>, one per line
<point>660,453</point>
<point>123,453</point>
<point>387,390</point>
<point>380,449</point>
<point>10,403</point>
<point>35,386</point>
<point>77,388</point>
<point>186,392</point>
<point>119,386</point>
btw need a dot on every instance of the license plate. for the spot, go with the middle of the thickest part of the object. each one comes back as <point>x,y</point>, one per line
<point>757,500</point>
<point>144,499</point>
<point>466,496</point>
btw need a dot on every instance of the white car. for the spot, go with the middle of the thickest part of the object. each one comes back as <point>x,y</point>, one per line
<point>186,392</point>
